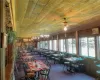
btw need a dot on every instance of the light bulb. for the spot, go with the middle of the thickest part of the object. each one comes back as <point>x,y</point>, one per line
<point>65,28</point>
<point>41,35</point>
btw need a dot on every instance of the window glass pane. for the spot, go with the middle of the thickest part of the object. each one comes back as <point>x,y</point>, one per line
<point>84,47</point>
<point>74,46</point>
<point>61,45</point>
<point>69,45</point>
<point>55,45</point>
<point>38,44</point>
<point>91,45</point>
<point>41,44</point>
<point>98,47</point>
<point>46,44</point>
<point>50,44</point>
<point>64,43</point>
<point>99,41</point>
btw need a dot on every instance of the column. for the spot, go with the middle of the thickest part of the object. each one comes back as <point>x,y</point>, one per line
<point>77,42</point>
<point>2,49</point>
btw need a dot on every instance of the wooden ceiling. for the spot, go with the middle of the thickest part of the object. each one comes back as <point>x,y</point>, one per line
<point>36,17</point>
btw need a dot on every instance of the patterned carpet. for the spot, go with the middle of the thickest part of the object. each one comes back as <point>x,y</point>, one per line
<point>56,73</point>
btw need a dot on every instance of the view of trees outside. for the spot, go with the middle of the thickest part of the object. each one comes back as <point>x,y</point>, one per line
<point>64,45</point>
<point>87,46</point>
<point>61,45</point>
<point>74,46</point>
<point>38,44</point>
<point>46,44</point>
<point>91,44</point>
<point>41,43</point>
<point>55,45</point>
<point>99,44</point>
<point>84,46</point>
<point>99,40</point>
<point>99,48</point>
<point>69,45</point>
<point>50,44</point>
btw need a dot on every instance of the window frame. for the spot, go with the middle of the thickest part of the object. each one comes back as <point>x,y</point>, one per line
<point>88,53</point>
<point>72,45</point>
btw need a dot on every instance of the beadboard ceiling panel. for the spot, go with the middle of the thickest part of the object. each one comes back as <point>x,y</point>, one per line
<point>36,17</point>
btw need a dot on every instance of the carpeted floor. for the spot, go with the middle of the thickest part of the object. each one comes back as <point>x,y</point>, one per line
<point>56,73</point>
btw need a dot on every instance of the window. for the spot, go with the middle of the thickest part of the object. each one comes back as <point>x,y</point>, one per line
<point>46,44</point>
<point>55,45</point>
<point>71,46</point>
<point>87,46</point>
<point>41,44</point>
<point>69,49</point>
<point>50,44</point>
<point>84,46</point>
<point>74,46</point>
<point>38,45</point>
<point>64,44</point>
<point>61,47</point>
<point>98,47</point>
<point>99,40</point>
<point>91,45</point>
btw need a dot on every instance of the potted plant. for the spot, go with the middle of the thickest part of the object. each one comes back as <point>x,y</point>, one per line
<point>11,35</point>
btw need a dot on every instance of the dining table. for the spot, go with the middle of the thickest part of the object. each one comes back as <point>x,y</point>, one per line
<point>27,58</point>
<point>74,62</point>
<point>73,59</point>
<point>37,66</point>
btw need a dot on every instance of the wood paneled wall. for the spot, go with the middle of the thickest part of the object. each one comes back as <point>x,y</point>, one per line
<point>87,33</point>
<point>81,33</point>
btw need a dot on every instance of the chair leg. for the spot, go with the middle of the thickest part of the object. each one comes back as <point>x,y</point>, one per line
<point>64,68</point>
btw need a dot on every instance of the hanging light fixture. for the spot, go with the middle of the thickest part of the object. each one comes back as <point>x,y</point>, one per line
<point>44,35</point>
<point>65,24</point>
<point>65,28</point>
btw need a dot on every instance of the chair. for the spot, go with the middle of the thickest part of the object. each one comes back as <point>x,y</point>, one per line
<point>75,67</point>
<point>67,66</point>
<point>29,75</point>
<point>44,74</point>
<point>57,59</point>
<point>98,74</point>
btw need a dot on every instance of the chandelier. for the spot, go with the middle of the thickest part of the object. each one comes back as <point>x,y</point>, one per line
<point>46,36</point>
